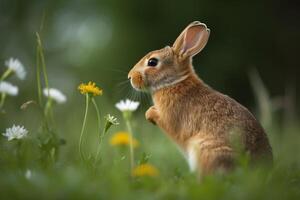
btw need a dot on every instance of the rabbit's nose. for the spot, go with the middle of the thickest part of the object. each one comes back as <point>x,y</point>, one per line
<point>130,74</point>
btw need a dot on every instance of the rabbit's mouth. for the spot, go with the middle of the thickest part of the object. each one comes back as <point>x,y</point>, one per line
<point>136,80</point>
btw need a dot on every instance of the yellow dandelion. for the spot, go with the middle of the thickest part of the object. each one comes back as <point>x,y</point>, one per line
<point>90,88</point>
<point>145,170</point>
<point>123,138</point>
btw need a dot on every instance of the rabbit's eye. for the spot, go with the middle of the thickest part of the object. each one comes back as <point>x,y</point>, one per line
<point>152,62</point>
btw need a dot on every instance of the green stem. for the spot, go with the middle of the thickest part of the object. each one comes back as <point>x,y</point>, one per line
<point>98,127</point>
<point>49,112</point>
<point>99,146</point>
<point>3,95</point>
<point>42,59</point>
<point>130,143</point>
<point>48,107</point>
<point>6,74</point>
<point>83,125</point>
<point>38,79</point>
<point>98,114</point>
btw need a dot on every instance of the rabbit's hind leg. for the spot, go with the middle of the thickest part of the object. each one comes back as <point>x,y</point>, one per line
<point>216,160</point>
<point>209,155</point>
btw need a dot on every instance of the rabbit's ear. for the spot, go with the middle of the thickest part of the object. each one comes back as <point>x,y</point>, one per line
<point>192,40</point>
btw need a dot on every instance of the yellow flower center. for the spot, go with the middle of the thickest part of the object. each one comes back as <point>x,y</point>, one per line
<point>123,138</point>
<point>145,170</point>
<point>90,88</point>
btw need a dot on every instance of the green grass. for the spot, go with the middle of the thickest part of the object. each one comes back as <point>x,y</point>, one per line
<point>110,179</point>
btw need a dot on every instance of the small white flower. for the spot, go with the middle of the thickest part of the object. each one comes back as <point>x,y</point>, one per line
<point>127,105</point>
<point>28,174</point>
<point>15,132</point>
<point>55,94</point>
<point>111,119</point>
<point>17,67</point>
<point>8,88</point>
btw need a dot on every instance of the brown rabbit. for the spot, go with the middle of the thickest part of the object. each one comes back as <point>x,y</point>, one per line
<point>199,119</point>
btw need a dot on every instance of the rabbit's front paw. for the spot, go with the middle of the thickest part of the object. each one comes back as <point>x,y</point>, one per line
<point>152,115</point>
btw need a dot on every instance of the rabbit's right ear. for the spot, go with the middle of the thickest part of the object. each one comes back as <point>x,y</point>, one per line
<point>192,40</point>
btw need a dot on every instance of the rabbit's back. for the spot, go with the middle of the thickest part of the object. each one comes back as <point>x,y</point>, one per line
<point>234,121</point>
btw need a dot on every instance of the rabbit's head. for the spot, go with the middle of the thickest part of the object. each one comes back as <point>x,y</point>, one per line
<point>170,65</point>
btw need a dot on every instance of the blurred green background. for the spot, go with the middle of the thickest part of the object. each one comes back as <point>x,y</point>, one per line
<point>98,40</point>
<point>101,40</point>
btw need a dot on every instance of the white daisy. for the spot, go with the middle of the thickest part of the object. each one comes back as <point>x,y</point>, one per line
<point>127,105</point>
<point>8,88</point>
<point>15,132</point>
<point>111,119</point>
<point>17,67</point>
<point>55,94</point>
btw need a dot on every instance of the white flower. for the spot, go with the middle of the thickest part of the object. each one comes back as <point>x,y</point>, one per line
<point>17,67</point>
<point>8,88</point>
<point>111,119</point>
<point>55,94</point>
<point>127,105</point>
<point>15,132</point>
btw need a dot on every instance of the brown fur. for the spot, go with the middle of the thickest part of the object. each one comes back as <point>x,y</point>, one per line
<point>199,119</point>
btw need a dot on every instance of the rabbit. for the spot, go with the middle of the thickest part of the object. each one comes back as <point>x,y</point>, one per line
<point>199,119</point>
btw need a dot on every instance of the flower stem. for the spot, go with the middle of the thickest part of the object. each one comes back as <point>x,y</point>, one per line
<point>3,95</point>
<point>130,143</point>
<point>98,128</point>
<point>48,112</point>
<point>99,146</point>
<point>98,114</point>
<point>6,74</point>
<point>47,107</point>
<point>41,53</point>
<point>83,125</point>
<point>38,79</point>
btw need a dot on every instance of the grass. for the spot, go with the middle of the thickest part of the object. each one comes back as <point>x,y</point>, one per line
<point>47,164</point>
<point>110,179</point>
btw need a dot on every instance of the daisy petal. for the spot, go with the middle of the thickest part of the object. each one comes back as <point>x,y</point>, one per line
<point>17,67</point>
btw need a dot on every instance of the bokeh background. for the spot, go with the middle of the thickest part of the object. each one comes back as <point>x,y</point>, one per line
<point>96,40</point>
<point>101,40</point>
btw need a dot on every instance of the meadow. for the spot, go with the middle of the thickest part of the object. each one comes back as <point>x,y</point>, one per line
<point>81,152</point>
<point>66,123</point>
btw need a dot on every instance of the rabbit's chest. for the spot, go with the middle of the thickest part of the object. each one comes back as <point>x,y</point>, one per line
<point>177,121</point>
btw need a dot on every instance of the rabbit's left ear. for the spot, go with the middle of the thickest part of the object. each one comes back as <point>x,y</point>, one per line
<point>192,40</point>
